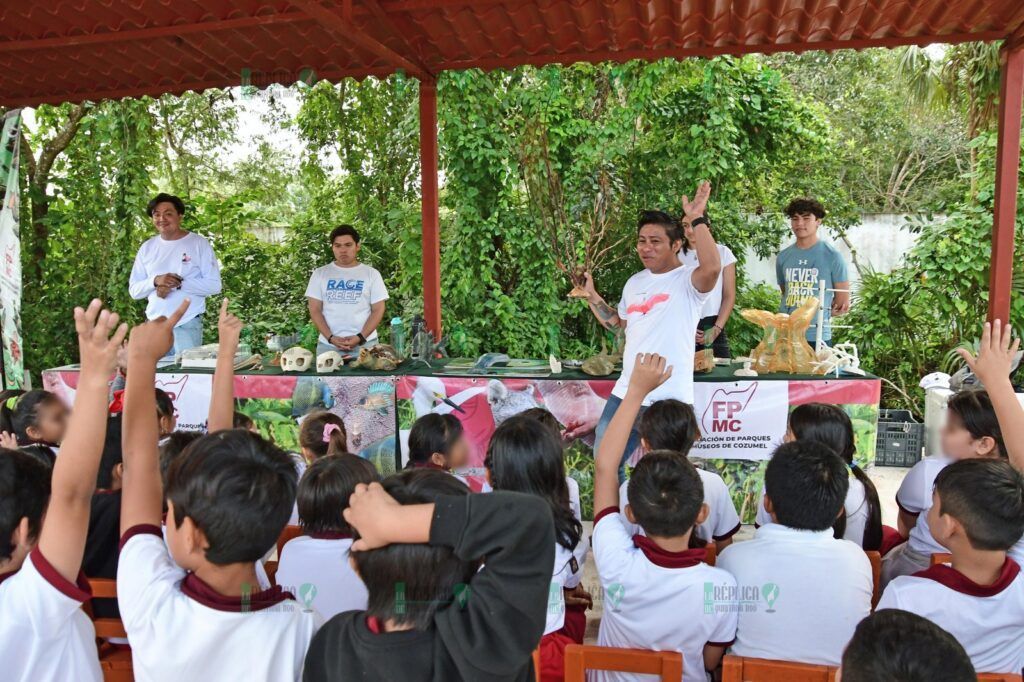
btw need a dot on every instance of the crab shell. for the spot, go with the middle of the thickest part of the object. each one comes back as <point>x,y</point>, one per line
<point>296,359</point>
<point>328,361</point>
<point>598,366</point>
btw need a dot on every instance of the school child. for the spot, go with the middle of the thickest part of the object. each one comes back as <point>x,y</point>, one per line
<point>525,456</point>
<point>971,431</point>
<point>317,562</point>
<point>241,420</point>
<point>37,420</point>
<point>44,633</point>
<point>977,515</point>
<point>671,425</point>
<point>810,588</point>
<point>897,645</point>
<point>437,441</point>
<point>423,529</point>
<point>167,415</point>
<point>655,586</point>
<point>228,497</point>
<point>861,520</point>
<point>545,417</point>
<point>320,434</point>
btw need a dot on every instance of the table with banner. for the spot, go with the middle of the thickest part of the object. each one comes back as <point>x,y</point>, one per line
<point>741,420</point>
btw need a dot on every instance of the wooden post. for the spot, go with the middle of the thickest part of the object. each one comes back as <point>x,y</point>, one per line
<point>430,219</point>
<point>1004,213</point>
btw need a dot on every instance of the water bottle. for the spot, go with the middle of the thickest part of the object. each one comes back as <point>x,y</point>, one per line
<point>415,332</point>
<point>398,336</point>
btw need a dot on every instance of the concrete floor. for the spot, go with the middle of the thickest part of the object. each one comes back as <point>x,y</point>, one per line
<point>886,479</point>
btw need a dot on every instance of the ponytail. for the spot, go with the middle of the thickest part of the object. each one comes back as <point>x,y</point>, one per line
<point>323,433</point>
<point>873,527</point>
<point>20,411</point>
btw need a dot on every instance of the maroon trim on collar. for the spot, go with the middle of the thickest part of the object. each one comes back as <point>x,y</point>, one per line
<point>607,511</point>
<point>106,491</point>
<point>194,588</point>
<point>957,581</point>
<point>729,534</point>
<point>331,535</point>
<point>140,529</point>
<point>79,590</point>
<point>373,625</point>
<point>666,559</point>
<point>427,465</point>
<point>723,644</point>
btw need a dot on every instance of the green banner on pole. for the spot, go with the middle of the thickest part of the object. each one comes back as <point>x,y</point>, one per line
<point>10,253</point>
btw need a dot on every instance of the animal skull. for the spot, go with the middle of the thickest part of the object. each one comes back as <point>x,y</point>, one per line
<point>328,361</point>
<point>296,359</point>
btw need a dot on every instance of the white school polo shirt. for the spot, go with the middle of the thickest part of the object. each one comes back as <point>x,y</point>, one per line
<point>44,634</point>
<point>804,593</point>
<point>915,498</point>
<point>654,599</point>
<point>316,568</point>
<point>722,522</point>
<point>181,629</point>
<point>988,620</point>
<point>856,506</point>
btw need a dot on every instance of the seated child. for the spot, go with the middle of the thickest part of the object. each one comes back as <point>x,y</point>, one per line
<point>166,414</point>
<point>656,588</point>
<point>978,514</point>
<point>437,441</point>
<point>424,531</point>
<point>896,645</point>
<point>861,521</point>
<point>228,497</point>
<point>671,425</point>
<point>971,431</point>
<point>813,588</point>
<point>37,420</point>
<point>525,456</point>
<point>100,560</point>
<point>317,563</point>
<point>44,633</point>
<point>321,433</point>
<point>545,417</point>
<point>240,420</point>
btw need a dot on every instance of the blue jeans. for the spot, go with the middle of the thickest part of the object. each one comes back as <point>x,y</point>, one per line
<point>602,425</point>
<point>187,335</point>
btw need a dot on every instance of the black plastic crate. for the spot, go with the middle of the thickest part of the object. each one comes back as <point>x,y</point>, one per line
<point>900,440</point>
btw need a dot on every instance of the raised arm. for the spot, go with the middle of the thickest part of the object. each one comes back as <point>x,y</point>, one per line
<point>604,313</point>
<point>992,366</point>
<point>649,372</point>
<point>62,540</point>
<point>142,491</point>
<point>222,402</point>
<point>709,261</point>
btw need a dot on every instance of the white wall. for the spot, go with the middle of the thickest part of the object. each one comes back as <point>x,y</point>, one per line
<point>881,241</point>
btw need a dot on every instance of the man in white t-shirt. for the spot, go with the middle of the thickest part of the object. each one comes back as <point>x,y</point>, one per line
<point>661,305</point>
<point>346,297</point>
<point>172,266</point>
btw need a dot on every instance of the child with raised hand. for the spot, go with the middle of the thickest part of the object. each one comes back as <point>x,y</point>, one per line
<point>525,456</point>
<point>320,556</point>
<point>897,645</point>
<point>861,520</point>
<point>228,496</point>
<point>423,530</point>
<point>661,583</point>
<point>671,425</point>
<point>977,514</point>
<point>972,430</point>
<point>44,634</point>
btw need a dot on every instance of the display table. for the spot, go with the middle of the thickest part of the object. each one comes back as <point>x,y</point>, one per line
<point>741,420</point>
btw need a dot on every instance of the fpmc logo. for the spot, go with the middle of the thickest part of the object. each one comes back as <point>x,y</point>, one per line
<point>724,412</point>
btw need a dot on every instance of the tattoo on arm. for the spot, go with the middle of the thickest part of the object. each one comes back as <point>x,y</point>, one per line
<point>606,315</point>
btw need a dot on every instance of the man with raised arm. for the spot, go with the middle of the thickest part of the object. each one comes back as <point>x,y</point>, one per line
<point>661,305</point>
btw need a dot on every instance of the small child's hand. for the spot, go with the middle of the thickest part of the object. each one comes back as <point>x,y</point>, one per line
<point>229,328</point>
<point>373,514</point>
<point>8,441</point>
<point>99,338</point>
<point>995,354</point>
<point>649,372</point>
<point>152,340</point>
